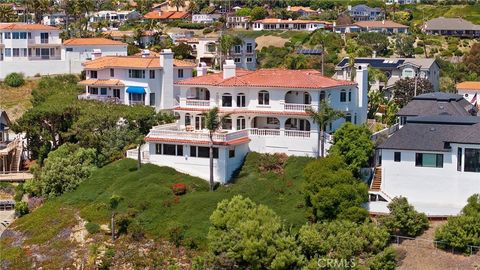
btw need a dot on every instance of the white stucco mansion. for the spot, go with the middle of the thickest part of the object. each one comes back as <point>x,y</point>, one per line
<point>267,115</point>
<point>130,80</point>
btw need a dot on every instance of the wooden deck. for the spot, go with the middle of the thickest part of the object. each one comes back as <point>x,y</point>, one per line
<point>17,177</point>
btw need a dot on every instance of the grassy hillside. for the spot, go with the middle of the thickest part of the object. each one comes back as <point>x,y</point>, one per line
<point>147,194</point>
<point>423,13</point>
<point>16,100</point>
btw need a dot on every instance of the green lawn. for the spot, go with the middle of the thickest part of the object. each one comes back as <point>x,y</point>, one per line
<point>147,192</point>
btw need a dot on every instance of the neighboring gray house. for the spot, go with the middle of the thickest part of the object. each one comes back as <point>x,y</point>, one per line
<point>365,13</point>
<point>205,18</point>
<point>451,27</point>
<point>436,103</point>
<point>395,69</point>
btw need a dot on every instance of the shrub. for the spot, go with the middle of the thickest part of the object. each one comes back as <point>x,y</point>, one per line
<point>176,234</point>
<point>403,219</point>
<point>272,162</point>
<point>190,25</point>
<point>21,209</point>
<point>136,231</point>
<point>19,191</point>
<point>92,228</point>
<point>179,189</point>
<point>14,79</point>
<point>419,50</point>
<point>207,31</point>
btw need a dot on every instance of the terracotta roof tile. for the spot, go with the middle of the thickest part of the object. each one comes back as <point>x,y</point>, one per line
<point>91,41</point>
<point>162,15</point>
<point>25,26</point>
<point>108,82</point>
<point>131,62</point>
<point>306,79</point>
<point>380,24</point>
<point>471,85</point>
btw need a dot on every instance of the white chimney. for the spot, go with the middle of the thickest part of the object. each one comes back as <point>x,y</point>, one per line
<point>374,54</point>
<point>289,19</point>
<point>164,99</point>
<point>145,53</point>
<point>362,94</point>
<point>96,53</point>
<point>289,8</point>
<point>383,21</point>
<point>202,69</point>
<point>229,69</point>
<point>349,7</point>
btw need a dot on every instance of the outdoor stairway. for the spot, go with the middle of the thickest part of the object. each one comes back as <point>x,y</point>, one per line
<point>377,179</point>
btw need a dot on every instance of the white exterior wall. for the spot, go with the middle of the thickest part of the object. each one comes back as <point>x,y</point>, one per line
<point>258,26</point>
<point>224,167</point>
<point>436,191</point>
<point>86,51</point>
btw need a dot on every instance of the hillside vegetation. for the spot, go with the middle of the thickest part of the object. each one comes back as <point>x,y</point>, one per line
<point>148,200</point>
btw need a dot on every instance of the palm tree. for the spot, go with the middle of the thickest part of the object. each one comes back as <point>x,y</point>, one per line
<point>140,142</point>
<point>114,201</point>
<point>226,42</point>
<point>213,122</point>
<point>6,13</point>
<point>325,114</point>
<point>351,66</point>
<point>177,3</point>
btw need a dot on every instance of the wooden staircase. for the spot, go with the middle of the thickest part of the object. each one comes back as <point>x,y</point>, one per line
<point>377,179</point>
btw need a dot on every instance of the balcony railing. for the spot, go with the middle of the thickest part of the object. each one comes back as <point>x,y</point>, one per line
<point>297,133</point>
<point>264,132</point>
<point>99,98</point>
<point>296,107</point>
<point>169,132</point>
<point>197,103</point>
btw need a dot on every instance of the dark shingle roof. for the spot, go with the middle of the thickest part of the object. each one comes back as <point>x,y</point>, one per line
<point>432,137</point>
<point>437,103</point>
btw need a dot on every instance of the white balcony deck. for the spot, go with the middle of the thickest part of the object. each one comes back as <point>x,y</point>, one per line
<point>174,131</point>
<point>197,103</point>
<point>99,98</point>
<point>298,107</point>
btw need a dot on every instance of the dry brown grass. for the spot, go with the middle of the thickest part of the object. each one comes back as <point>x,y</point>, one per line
<point>16,100</point>
<point>422,255</point>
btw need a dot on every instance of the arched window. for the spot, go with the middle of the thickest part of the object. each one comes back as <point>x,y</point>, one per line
<point>263,98</point>
<point>348,117</point>
<point>241,100</point>
<point>241,123</point>
<point>188,119</point>
<point>343,96</point>
<point>227,100</point>
<point>322,95</point>
<point>227,123</point>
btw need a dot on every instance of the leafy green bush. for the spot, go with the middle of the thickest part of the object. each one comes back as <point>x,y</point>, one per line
<point>419,50</point>
<point>19,192</point>
<point>136,230</point>
<point>176,234</point>
<point>15,79</point>
<point>92,228</point>
<point>403,219</point>
<point>21,209</point>
<point>250,236</point>
<point>384,260</point>
<point>190,25</point>
<point>463,230</point>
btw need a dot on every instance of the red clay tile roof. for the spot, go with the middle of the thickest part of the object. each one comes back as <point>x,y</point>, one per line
<point>470,85</point>
<point>100,82</point>
<point>380,24</point>
<point>305,79</point>
<point>131,62</point>
<point>91,41</point>
<point>162,15</point>
<point>25,26</point>
<point>194,142</point>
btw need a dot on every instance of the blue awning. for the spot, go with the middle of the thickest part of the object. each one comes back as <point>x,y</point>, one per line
<point>136,90</point>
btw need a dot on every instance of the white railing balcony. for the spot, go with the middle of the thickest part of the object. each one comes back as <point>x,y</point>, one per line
<point>173,131</point>
<point>99,98</point>
<point>296,107</point>
<point>197,103</point>
<point>264,132</point>
<point>297,133</point>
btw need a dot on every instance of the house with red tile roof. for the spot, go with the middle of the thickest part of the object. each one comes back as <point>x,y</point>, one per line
<point>88,47</point>
<point>266,112</point>
<point>384,26</point>
<point>146,80</point>
<point>166,15</point>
